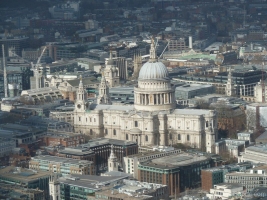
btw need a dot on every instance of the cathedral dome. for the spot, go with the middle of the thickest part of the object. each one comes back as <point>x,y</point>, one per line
<point>153,70</point>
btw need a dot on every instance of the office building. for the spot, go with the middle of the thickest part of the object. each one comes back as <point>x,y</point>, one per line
<point>64,138</point>
<point>130,163</point>
<point>82,187</point>
<point>13,77</point>
<point>131,189</point>
<point>188,91</point>
<point>253,178</point>
<point>52,125</point>
<point>216,175</point>
<point>226,191</point>
<point>255,154</point>
<point>7,145</point>
<point>101,149</point>
<point>178,172</point>
<point>177,44</point>
<point>17,42</point>
<point>80,153</point>
<point>61,165</point>
<point>26,178</point>
<point>21,133</point>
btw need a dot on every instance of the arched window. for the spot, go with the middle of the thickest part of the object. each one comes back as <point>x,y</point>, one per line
<point>179,136</point>
<point>188,137</point>
<point>127,137</point>
<point>146,138</point>
<point>91,132</point>
<point>114,132</point>
<point>170,136</point>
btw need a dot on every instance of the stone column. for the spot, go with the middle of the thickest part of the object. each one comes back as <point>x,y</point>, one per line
<point>162,139</point>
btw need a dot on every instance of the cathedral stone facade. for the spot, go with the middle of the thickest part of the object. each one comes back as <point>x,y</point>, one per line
<point>152,120</point>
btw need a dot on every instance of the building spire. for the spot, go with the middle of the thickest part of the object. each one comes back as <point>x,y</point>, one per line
<point>113,164</point>
<point>153,56</point>
<point>112,155</point>
<point>81,82</point>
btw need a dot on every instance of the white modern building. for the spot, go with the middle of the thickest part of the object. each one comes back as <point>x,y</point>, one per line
<point>255,154</point>
<point>255,177</point>
<point>130,163</point>
<point>225,191</point>
<point>153,119</point>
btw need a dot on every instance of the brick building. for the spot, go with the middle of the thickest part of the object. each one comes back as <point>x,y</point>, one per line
<point>178,172</point>
<point>64,139</point>
<point>216,175</point>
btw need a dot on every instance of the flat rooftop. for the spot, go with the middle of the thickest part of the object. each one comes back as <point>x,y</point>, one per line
<point>192,87</point>
<point>150,153</point>
<point>22,174</point>
<point>104,141</point>
<point>229,185</point>
<point>61,135</point>
<point>179,160</point>
<point>258,148</point>
<point>121,90</point>
<point>56,159</point>
<point>79,151</point>
<point>174,161</point>
<point>89,181</point>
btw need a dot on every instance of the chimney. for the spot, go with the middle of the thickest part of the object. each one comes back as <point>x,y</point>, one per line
<point>190,42</point>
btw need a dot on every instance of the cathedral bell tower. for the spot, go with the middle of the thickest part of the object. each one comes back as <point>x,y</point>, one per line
<point>103,96</point>
<point>80,104</point>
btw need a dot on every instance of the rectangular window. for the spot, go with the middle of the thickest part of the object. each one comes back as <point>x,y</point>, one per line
<point>135,123</point>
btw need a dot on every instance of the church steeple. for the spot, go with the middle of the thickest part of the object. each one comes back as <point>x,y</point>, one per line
<point>113,161</point>
<point>103,96</point>
<point>81,97</point>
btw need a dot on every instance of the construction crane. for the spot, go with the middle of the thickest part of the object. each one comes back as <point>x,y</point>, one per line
<point>35,68</point>
<point>4,68</point>
<point>164,49</point>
